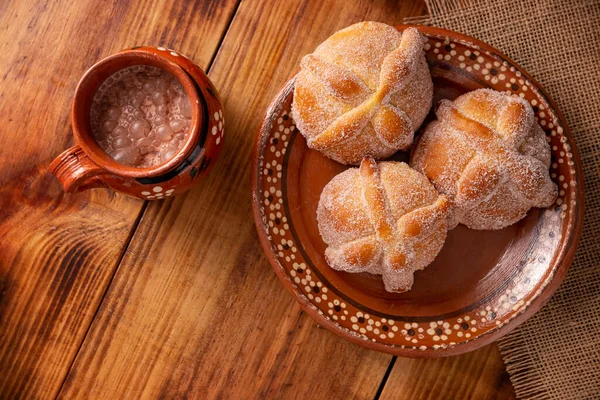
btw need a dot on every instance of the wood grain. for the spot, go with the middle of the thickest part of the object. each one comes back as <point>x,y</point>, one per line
<point>477,375</point>
<point>58,252</point>
<point>194,310</point>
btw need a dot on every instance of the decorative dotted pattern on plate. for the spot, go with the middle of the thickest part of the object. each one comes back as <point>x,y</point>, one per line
<point>435,334</point>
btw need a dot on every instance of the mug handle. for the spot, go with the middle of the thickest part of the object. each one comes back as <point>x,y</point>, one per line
<point>76,171</point>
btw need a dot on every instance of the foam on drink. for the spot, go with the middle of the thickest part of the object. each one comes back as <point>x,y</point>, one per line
<point>141,116</point>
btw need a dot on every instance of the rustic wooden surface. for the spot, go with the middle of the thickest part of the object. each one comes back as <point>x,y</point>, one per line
<point>102,296</point>
<point>476,375</point>
<point>59,252</point>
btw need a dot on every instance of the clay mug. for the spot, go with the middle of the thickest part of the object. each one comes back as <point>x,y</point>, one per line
<point>86,165</point>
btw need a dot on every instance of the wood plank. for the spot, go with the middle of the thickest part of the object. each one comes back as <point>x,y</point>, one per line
<point>58,252</point>
<point>478,375</point>
<point>195,310</point>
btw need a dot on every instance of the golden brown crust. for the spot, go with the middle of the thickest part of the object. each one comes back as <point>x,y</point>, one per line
<point>487,153</point>
<point>363,92</point>
<point>383,218</point>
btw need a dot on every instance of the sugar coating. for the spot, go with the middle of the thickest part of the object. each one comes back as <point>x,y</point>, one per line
<point>363,91</point>
<point>383,218</point>
<point>489,156</point>
<point>141,116</point>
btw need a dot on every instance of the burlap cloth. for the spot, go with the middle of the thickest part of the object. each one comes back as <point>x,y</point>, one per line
<point>555,354</point>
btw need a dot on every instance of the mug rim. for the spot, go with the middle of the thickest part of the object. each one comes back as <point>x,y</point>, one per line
<point>80,119</point>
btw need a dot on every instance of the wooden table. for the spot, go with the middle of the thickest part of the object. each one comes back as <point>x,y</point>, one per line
<point>104,296</point>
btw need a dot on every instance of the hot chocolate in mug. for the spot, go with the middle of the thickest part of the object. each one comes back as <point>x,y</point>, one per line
<point>93,163</point>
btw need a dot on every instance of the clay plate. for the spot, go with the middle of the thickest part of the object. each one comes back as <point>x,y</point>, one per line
<point>481,285</point>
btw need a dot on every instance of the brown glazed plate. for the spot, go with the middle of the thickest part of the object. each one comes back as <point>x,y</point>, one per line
<point>481,285</point>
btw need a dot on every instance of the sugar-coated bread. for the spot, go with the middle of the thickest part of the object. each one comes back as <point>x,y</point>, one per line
<point>487,153</point>
<point>383,218</point>
<point>364,91</point>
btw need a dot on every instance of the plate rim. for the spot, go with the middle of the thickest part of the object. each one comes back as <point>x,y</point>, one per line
<point>566,253</point>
